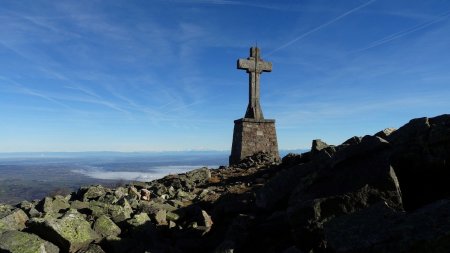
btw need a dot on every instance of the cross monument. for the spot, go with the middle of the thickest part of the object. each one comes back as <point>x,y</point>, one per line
<point>253,133</point>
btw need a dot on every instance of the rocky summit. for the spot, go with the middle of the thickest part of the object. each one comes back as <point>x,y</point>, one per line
<point>386,192</point>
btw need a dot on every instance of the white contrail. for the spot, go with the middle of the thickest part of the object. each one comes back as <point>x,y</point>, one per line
<point>403,33</point>
<point>321,26</point>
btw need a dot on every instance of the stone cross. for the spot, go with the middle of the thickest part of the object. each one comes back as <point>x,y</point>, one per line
<point>254,66</point>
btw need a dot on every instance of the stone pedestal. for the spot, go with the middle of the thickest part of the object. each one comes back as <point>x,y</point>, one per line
<point>251,136</point>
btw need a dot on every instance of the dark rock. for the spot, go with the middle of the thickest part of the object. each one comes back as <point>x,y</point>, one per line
<point>279,188</point>
<point>342,188</point>
<point>292,159</point>
<point>352,141</point>
<point>380,228</point>
<point>420,158</point>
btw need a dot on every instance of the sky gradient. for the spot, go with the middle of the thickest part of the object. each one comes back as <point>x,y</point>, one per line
<point>161,75</point>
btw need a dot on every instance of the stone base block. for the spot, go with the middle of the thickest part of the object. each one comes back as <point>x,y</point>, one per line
<point>251,136</point>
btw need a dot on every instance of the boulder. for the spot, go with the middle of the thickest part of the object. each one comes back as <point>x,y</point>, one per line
<point>105,227</point>
<point>70,233</point>
<point>21,242</point>
<point>12,218</point>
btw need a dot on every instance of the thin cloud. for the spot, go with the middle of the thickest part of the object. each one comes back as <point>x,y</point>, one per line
<point>320,27</point>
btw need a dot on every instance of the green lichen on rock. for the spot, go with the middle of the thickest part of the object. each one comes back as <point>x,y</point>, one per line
<point>106,227</point>
<point>12,218</point>
<point>92,192</point>
<point>21,242</point>
<point>71,232</point>
<point>53,205</point>
<point>139,220</point>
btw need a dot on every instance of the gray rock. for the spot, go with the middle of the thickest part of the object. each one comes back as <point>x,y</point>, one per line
<point>21,242</point>
<point>318,145</point>
<point>385,133</point>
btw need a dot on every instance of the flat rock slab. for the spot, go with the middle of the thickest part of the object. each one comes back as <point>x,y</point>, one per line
<point>21,242</point>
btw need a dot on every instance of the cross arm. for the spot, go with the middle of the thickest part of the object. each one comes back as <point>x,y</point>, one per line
<point>244,64</point>
<point>249,65</point>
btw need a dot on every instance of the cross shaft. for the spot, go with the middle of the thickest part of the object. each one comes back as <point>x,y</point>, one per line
<point>254,66</point>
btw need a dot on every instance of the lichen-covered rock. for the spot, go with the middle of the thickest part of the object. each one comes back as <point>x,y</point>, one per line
<point>21,242</point>
<point>104,226</point>
<point>29,208</point>
<point>120,212</point>
<point>138,220</point>
<point>92,192</point>
<point>12,218</point>
<point>53,205</point>
<point>70,233</point>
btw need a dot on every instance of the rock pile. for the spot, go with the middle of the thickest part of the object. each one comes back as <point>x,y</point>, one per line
<point>382,193</point>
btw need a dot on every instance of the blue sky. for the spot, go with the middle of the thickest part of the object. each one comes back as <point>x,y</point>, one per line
<point>161,75</point>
